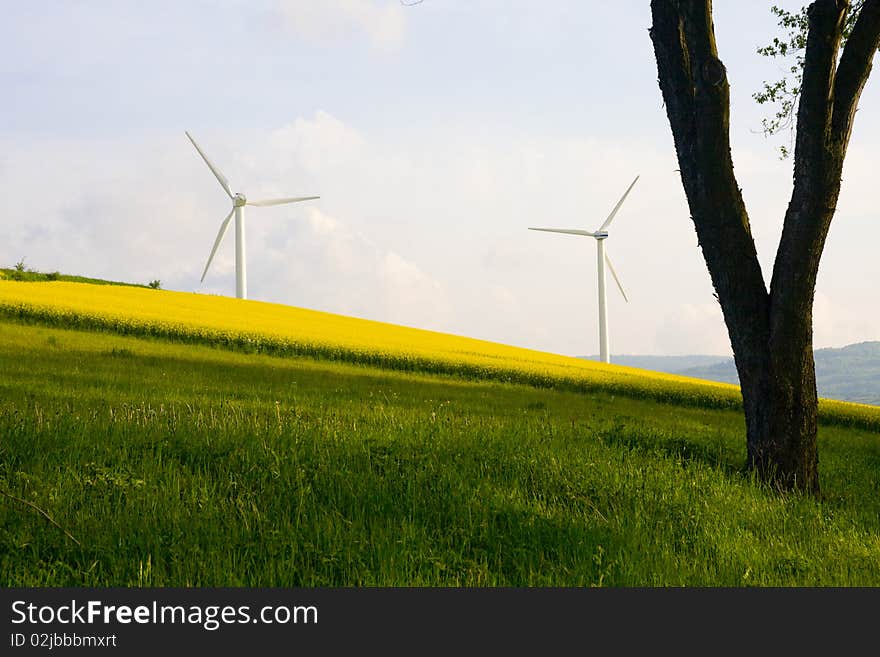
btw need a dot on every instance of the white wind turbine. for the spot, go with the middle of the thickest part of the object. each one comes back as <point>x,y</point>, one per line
<point>601,234</point>
<point>239,200</point>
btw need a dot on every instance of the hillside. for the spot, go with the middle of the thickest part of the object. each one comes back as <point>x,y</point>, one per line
<point>169,464</point>
<point>285,330</point>
<point>276,329</point>
<point>850,373</point>
<point>154,438</point>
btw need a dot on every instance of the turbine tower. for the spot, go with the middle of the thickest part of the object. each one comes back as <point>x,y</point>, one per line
<point>239,200</point>
<point>601,234</point>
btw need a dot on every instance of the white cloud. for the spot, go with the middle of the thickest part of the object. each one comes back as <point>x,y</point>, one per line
<point>319,144</point>
<point>322,263</point>
<point>843,321</point>
<point>322,224</point>
<point>693,328</point>
<point>382,23</point>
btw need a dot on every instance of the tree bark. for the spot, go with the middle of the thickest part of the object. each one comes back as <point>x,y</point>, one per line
<point>770,331</point>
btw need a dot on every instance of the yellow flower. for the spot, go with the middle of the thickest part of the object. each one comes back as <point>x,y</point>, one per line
<point>280,329</point>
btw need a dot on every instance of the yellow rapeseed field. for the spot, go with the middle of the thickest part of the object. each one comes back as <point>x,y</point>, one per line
<point>276,328</point>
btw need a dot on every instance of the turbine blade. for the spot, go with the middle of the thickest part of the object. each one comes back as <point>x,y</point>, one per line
<point>614,274</point>
<point>220,177</point>
<point>223,227</point>
<point>617,207</point>
<point>281,201</point>
<point>566,231</point>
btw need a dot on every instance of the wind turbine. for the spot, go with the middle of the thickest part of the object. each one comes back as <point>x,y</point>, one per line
<point>601,234</point>
<point>239,200</point>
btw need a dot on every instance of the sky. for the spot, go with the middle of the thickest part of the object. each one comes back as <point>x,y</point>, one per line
<point>435,134</point>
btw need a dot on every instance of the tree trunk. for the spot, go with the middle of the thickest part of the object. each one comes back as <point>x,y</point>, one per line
<point>776,369</point>
<point>781,424</point>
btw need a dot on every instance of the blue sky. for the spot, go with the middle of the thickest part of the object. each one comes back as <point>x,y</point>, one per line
<point>434,134</point>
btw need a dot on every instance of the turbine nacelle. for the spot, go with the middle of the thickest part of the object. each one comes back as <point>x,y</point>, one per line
<point>601,235</point>
<point>239,200</point>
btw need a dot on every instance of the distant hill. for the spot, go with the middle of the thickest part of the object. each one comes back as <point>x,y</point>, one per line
<point>669,364</point>
<point>850,373</point>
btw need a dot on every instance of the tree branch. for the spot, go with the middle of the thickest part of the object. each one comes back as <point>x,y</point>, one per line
<point>673,67</point>
<point>817,170</point>
<point>825,18</point>
<point>854,69</point>
<point>697,97</point>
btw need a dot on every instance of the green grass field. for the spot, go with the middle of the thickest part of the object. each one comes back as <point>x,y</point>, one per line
<point>185,465</point>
